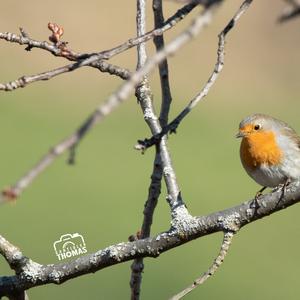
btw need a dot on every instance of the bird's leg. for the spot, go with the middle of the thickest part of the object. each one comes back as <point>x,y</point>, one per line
<point>283,189</point>
<point>259,193</point>
<point>255,203</point>
<point>287,182</point>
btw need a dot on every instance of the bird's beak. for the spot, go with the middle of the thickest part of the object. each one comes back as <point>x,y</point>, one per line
<point>240,134</point>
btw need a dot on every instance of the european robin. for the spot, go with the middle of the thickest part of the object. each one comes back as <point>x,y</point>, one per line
<point>270,151</point>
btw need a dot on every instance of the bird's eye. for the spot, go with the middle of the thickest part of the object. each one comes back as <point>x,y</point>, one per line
<point>257,127</point>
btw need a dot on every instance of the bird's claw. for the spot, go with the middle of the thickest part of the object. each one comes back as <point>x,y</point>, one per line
<point>255,203</point>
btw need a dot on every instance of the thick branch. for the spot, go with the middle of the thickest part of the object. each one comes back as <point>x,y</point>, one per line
<point>183,230</point>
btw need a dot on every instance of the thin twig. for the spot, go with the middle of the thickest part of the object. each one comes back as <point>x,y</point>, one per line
<point>172,126</point>
<point>163,66</point>
<point>171,22</point>
<point>106,54</point>
<point>25,80</point>
<point>291,11</point>
<point>227,240</point>
<point>112,69</point>
<point>14,191</point>
<point>112,103</point>
<point>84,59</point>
<point>56,50</point>
<point>24,39</point>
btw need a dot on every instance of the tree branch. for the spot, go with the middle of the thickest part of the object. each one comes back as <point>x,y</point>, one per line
<point>25,80</point>
<point>227,240</point>
<point>24,39</point>
<point>12,254</point>
<point>172,126</point>
<point>155,185</point>
<point>106,54</point>
<point>154,191</point>
<point>174,195</point>
<point>112,103</point>
<point>101,65</point>
<point>181,232</point>
<point>291,11</point>
<point>94,60</point>
<point>60,50</point>
<point>141,91</point>
<point>184,227</point>
<point>163,66</point>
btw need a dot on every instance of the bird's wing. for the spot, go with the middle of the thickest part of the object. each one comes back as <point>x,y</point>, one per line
<point>292,134</point>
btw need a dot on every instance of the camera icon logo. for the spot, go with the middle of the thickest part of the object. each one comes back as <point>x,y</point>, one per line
<point>69,245</point>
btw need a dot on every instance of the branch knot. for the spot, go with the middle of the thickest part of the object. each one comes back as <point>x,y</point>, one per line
<point>230,223</point>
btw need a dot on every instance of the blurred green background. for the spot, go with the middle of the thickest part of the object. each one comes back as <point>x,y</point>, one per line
<point>102,196</point>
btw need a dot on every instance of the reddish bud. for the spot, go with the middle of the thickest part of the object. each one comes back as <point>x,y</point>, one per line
<point>57,32</point>
<point>9,194</point>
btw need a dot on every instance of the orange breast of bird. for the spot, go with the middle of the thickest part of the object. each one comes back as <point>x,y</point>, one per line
<point>260,148</point>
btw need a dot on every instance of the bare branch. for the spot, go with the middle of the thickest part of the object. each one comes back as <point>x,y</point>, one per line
<point>227,240</point>
<point>82,60</point>
<point>163,66</point>
<point>184,227</point>
<point>112,69</point>
<point>137,266</point>
<point>172,126</point>
<point>60,50</point>
<point>14,191</point>
<point>106,54</point>
<point>25,80</point>
<point>24,39</point>
<point>113,102</point>
<point>171,22</point>
<point>101,111</point>
<point>155,186</point>
<point>174,195</point>
<point>154,191</point>
<point>145,96</point>
<point>182,231</point>
<point>12,254</point>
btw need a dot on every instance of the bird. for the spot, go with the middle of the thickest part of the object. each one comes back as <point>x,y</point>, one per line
<point>269,151</point>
